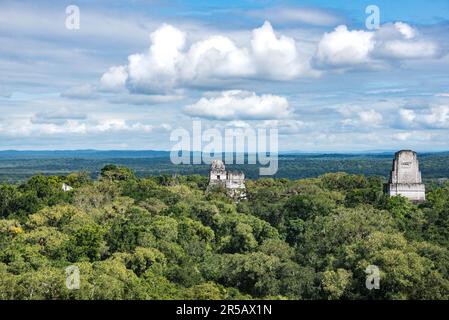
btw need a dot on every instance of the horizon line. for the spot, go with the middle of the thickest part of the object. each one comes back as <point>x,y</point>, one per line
<point>374,151</point>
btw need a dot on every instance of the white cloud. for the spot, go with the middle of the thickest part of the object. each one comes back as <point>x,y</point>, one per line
<point>109,125</point>
<point>170,64</point>
<point>114,79</point>
<point>276,57</point>
<point>343,48</point>
<point>415,136</point>
<point>216,57</point>
<point>357,117</point>
<point>157,69</point>
<point>370,117</point>
<point>238,104</point>
<point>407,31</point>
<point>402,136</point>
<point>31,128</point>
<point>74,125</point>
<point>436,117</point>
<point>238,124</point>
<point>406,117</point>
<point>399,49</point>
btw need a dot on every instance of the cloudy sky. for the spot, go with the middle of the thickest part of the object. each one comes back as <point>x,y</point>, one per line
<point>136,70</point>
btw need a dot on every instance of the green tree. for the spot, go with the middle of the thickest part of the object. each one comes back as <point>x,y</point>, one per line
<point>116,173</point>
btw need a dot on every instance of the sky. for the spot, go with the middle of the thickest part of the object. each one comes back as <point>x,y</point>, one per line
<point>134,71</point>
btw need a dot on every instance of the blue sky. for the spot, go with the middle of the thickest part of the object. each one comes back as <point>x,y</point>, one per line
<point>136,70</point>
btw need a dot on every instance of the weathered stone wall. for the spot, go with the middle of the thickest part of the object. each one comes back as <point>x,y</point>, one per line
<point>217,173</point>
<point>415,192</point>
<point>405,177</point>
<point>405,168</point>
<point>233,181</point>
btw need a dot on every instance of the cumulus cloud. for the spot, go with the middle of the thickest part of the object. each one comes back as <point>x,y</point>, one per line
<point>356,117</point>
<point>345,48</point>
<point>370,117</point>
<point>238,104</point>
<point>114,79</point>
<point>406,117</point>
<point>275,57</point>
<point>436,117</point>
<point>170,63</point>
<point>216,57</point>
<point>158,68</point>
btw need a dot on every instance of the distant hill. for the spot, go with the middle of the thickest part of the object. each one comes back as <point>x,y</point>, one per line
<point>85,154</point>
<point>110,154</point>
<point>21,165</point>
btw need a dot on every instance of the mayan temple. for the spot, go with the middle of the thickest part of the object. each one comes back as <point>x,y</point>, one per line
<point>233,181</point>
<point>405,177</point>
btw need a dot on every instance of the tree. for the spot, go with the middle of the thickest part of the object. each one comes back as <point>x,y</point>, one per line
<point>336,283</point>
<point>168,238</point>
<point>86,243</point>
<point>436,212</point>
<point>130,229</point>
<point>324,239</point>
<point>115,173</point>
<point>253,273</point>
<point>145,259</point>
<point>17,203</point>
<point>206,291</point>
<point>52,242</point>
<point>404,273</point>
<point>307,206</point>
<point>241,233</point>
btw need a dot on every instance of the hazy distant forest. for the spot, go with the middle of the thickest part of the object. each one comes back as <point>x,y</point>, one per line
<point>18,166</point>
<point>165,237</point>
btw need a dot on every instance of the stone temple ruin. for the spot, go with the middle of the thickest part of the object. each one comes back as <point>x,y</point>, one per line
<point>233,181</point>
<point>405,177</point>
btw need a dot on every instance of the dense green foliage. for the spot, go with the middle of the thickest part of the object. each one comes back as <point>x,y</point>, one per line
<point>167,238</point>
